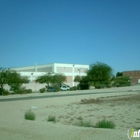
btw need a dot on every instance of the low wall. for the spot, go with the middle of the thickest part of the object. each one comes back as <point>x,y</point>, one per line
<point>33,86</point>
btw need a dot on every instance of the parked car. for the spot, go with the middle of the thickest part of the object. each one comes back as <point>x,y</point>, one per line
<point>64,87</point>
<point>51,89</point>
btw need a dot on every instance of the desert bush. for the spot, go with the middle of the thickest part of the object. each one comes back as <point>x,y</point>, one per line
<point>97,86</point>
<point>51,118</point>
<point>28,90</point>
<point>109,86</point>
<point>73,88</point>
<point>105,124</point>
<point>83,123</point>
<point>1,91</point>
<point>6,92</point>
<point>121,81</point>
<point>84,83</point>
<point>57,88</point>
<point>78,86</point>
<point>17,89</point>
<point>103,84</point>
<point>100,86</point>
<point>84,86</point>
<point>42,90</point>
<point>21,91</point>
<point>29,115</point>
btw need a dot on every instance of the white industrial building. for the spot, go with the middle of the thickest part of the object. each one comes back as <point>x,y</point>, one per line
<point>69,70</point>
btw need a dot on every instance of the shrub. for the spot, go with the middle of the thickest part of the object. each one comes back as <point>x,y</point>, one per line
<point>1,91</point>
<point>21,91</point>
<point>73,88</point>
<point>52,118</point>
<point>42,90</point>
<point>28,90</point>
<point>97,86</point>
<point>17,88</point>
<point>84,85</point>
<point>109,86</point>
<point>6,92</point>
<point>83,123</point>
<point>29,115</point>
<point>122,81</point>
<point>78,86</point>
<point>57,88</point>
<point>105,124</point>
<point>102,86</point>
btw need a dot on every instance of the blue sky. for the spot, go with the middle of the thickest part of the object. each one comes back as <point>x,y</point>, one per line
<point>70,31</point>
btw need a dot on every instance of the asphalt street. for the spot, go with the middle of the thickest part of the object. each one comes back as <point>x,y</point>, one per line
<point>54,96</point>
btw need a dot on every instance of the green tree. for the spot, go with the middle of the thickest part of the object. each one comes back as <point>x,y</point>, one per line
<point>15,81</point>
<point>84,83</point>
<point>100,74</point>
<point>58,79</point>
<point>77,78</point>
<point>50,79</point>
<point>47,78</point>
<point>3,78</point>
<point>119,74</point>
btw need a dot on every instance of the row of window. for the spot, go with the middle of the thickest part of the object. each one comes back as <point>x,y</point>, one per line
<point>135,73</point>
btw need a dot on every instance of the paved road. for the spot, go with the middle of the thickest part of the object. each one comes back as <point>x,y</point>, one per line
<point>54,96</point>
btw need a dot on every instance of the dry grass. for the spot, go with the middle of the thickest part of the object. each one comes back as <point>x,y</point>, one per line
<point>84,123</point>
<point>131,98</point>
<point>80,118</point>
<point>91,101</point>
<point>112,99</point>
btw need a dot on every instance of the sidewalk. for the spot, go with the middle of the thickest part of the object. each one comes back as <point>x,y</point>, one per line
<point>90,91</point>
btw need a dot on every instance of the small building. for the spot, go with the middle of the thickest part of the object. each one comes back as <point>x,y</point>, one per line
<point>69,70</point>
<point>134,76</point>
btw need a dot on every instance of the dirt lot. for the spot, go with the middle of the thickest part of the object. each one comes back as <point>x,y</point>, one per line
<point>122,108</point>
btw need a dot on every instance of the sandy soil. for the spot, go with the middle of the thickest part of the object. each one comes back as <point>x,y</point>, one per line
<point>123,108</point>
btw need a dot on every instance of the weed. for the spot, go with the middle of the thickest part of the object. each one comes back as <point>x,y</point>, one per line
<point>105,124</point>
<point>29,115</point>
<point>80,118</point>
<point>83,123</point>
<point>51,118</point>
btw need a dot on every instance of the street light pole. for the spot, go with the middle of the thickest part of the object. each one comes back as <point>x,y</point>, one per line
<point>73,76</point>
<point>80,73</point>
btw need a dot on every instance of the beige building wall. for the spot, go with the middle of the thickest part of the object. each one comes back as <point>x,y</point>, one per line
<point>45,69</point>
<point>63,69</point>
<point>68,80</point>
<point>69,70</point>
<point>81,70</point>
<point>134,75</point>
